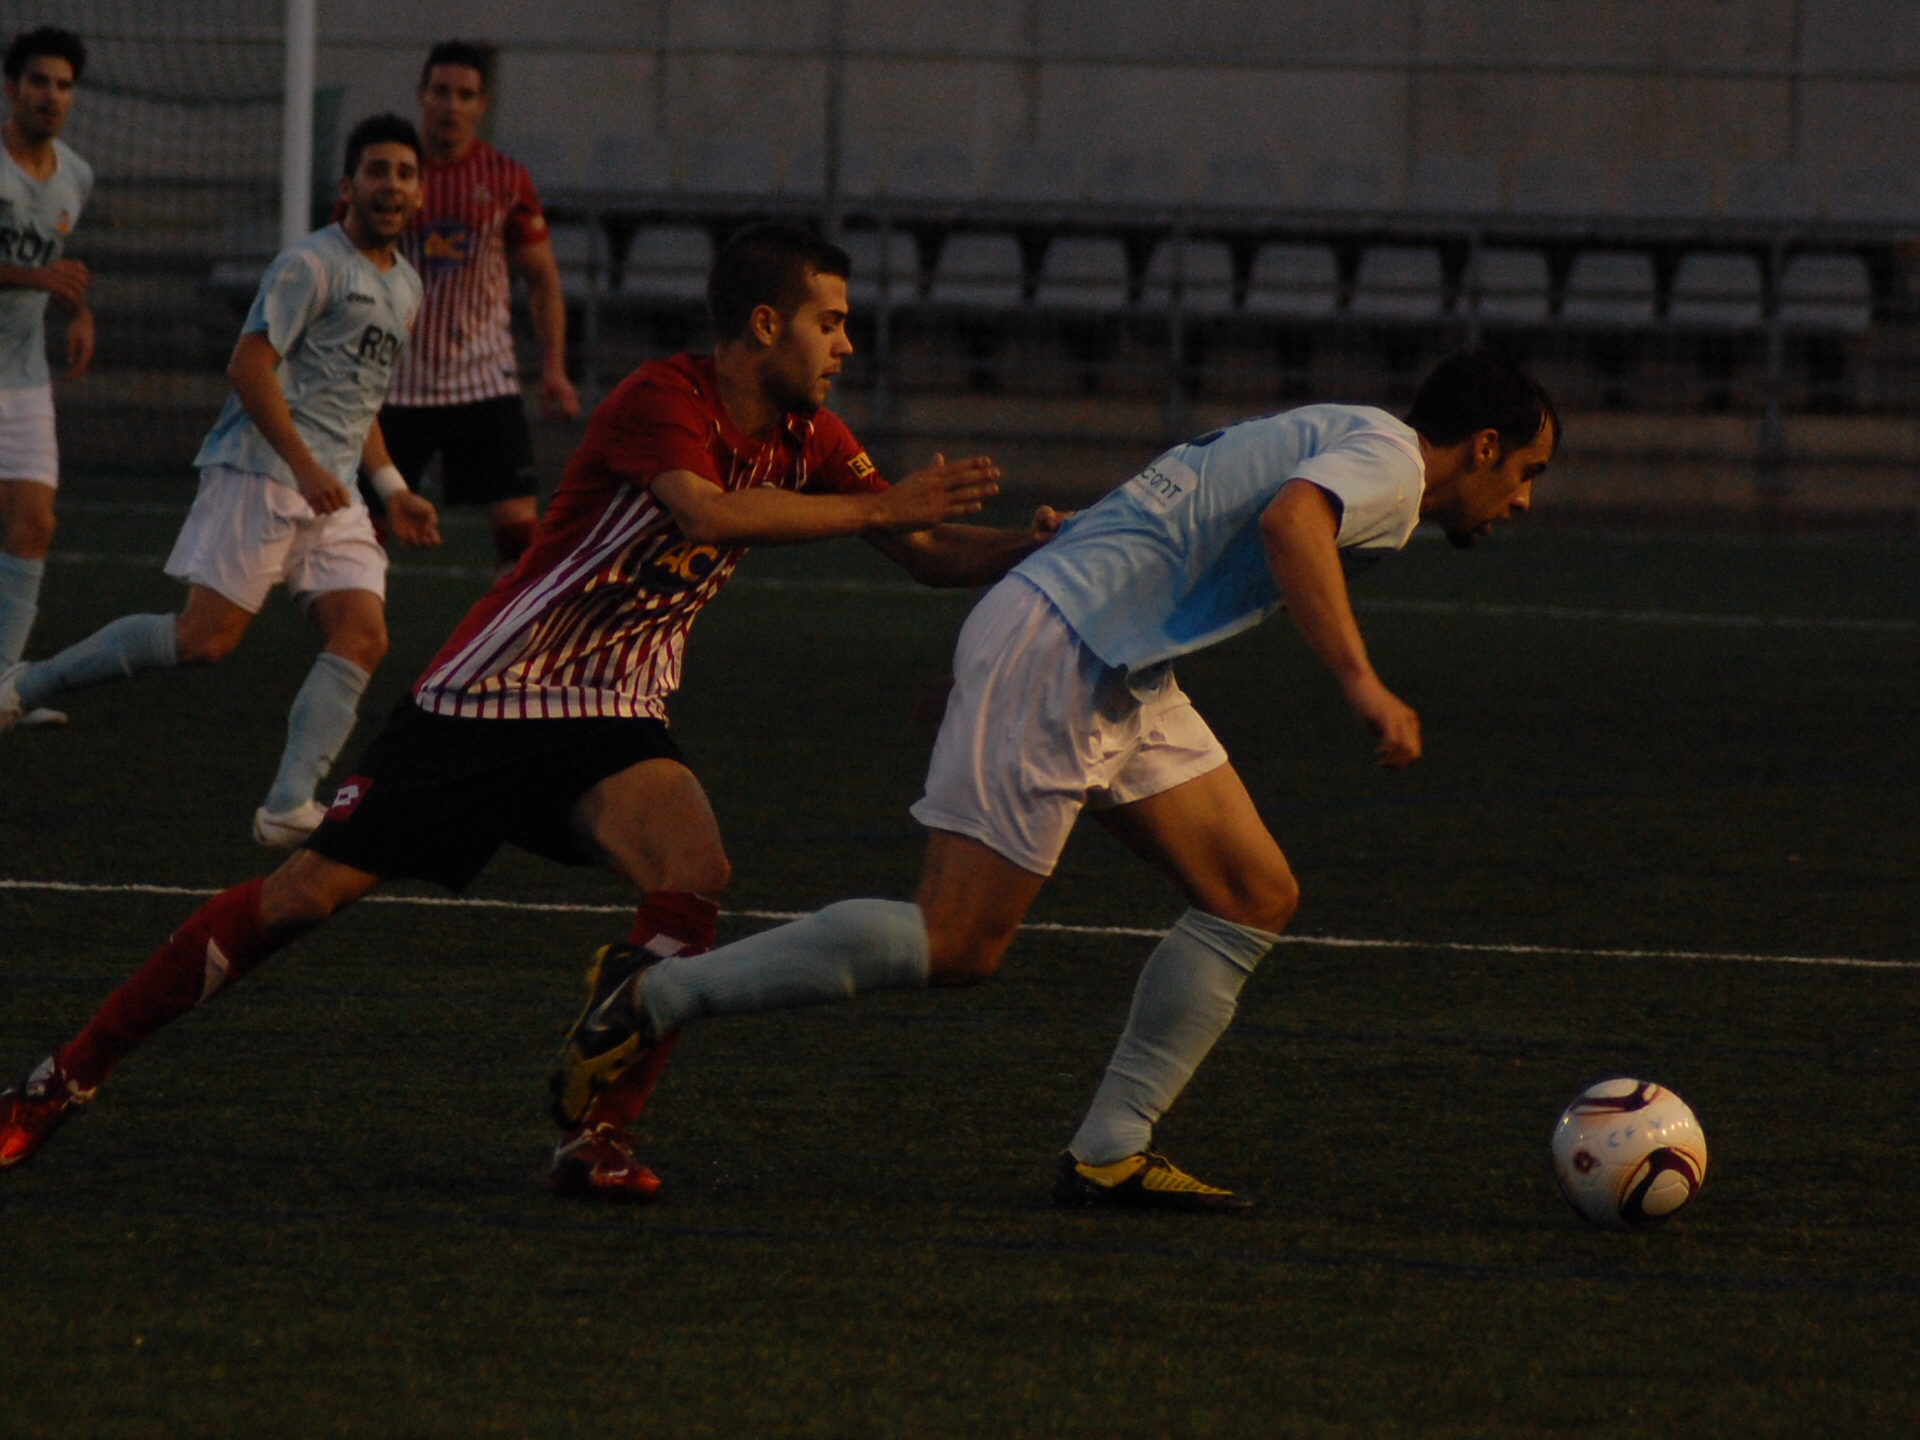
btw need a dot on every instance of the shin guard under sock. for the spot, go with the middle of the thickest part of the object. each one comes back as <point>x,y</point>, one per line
<point>220,942</point>
<point>668,922</point>
<point>19,604</point>
<point>834,954</point>
<point>1183,1001</point>
<point>318,725</point>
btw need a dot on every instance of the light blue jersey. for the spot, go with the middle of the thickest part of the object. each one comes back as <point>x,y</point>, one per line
<point>35,218</point>
<point>1171,562</point>
<point>339,323</point>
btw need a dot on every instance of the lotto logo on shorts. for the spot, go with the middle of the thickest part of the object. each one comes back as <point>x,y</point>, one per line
<point>349,796</point>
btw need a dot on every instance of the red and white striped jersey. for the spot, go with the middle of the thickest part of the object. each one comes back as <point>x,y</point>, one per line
<point>477,210</point>
<point>594,619</point>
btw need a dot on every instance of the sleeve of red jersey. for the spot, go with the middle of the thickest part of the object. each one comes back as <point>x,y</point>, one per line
<point>842,465</point>
<point>654,428</point>
<point>526,221</point>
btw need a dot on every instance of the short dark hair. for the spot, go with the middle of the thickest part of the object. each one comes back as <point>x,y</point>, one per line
<point>460,52</point>
<point>386,129</point>
<point>1471,391</point>
<point>767,265</point>
<point>47,40</point>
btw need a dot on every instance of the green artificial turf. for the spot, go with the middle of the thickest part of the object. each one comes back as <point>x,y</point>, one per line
<point>317,1207</point>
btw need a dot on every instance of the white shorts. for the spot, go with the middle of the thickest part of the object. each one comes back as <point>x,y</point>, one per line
<point>247,533</point>
<point>1038,727</point>
<point>28,449</point>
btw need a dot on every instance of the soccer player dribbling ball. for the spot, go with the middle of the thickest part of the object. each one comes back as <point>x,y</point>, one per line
<point>277,502</point>
<point>542,721</point>
<point>43,188</point>
<point>1064,699</point>
<point>457,388</point>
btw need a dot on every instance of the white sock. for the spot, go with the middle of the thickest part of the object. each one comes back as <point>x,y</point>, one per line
<point>318,725</point>
<point>846,948</point>
<point>113,652</point>
<point>19,603</point>
<point>1184,999</point>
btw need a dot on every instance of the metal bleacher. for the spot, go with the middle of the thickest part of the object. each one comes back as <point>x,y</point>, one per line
<point>1018,257</point>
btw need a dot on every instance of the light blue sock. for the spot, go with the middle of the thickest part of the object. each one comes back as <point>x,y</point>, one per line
<point>113,652</point>
<point>832,955</point>
<point>19,603</point>
<point>318,725</point>
<point>1183,1001</point>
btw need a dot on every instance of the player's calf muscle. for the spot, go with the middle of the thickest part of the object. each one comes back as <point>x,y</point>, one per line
<point>306,891</point>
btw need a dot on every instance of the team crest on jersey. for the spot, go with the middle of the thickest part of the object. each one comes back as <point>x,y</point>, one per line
<point>861,466</point>
<point>671,564</point>
<point>445,246</point>
<point>65,222</point>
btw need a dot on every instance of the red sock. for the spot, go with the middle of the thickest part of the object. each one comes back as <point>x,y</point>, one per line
<point>674,922</point>
<point>510,542</point>
<point>669,922</point>
<point>220,942</point>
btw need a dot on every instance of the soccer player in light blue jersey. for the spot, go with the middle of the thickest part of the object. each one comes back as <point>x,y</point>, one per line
<point>43,188</point>
<point>1064,700</point>
<point>277,501</point>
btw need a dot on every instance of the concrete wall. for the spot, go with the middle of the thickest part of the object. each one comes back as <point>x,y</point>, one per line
<point>1826,83</point>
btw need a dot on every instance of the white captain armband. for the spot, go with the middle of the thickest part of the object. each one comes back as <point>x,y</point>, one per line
<point>387,482</point>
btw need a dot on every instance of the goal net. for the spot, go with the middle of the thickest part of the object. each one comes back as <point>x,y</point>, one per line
<point>179,113</point>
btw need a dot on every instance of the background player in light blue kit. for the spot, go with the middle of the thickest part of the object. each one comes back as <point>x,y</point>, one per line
<point>1064,700</point>
<point>277,501</point>
<point>43,188</point>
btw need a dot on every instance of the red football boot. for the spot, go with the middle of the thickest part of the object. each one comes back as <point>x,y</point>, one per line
<point>597,1162</point>
<point>32,1110</point>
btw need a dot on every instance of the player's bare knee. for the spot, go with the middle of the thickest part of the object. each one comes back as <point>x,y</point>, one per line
<point>30,534</point>
<point>364,645</point>
<point>1265,901</point>
<point>195,646</point>
<point>706,873</point>
<point>959,961</point>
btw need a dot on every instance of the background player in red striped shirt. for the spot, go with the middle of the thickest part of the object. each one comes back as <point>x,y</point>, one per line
<point>457,390</point>
<point>542,721</point>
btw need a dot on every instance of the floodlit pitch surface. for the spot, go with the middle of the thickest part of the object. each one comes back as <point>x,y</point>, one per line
<point>318,1206</point>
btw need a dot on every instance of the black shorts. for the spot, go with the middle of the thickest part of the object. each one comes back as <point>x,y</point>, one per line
<point>486,448</point>
<point>432,797</point>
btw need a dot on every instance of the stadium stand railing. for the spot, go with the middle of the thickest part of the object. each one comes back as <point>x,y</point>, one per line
<point>1039,269</point>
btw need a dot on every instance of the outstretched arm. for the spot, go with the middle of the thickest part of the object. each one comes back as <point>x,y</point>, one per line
<point>762,515</point>
<point>965,555</point>
<point>1300,531</point>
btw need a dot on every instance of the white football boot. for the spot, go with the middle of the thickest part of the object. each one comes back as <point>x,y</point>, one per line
<point>287,829</point>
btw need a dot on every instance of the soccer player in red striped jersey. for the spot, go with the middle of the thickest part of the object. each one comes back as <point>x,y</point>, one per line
<point>457,390</point>
<point>541,723</point>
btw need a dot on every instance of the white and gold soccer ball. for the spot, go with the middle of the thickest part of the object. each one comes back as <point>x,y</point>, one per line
<point>1628,1154</point>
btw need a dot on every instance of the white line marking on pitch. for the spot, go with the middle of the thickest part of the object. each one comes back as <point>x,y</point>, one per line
<point>1338,942</point>
<point>1378,607</point>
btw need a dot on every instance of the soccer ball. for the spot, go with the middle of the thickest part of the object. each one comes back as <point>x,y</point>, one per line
<point>1628,1154</point>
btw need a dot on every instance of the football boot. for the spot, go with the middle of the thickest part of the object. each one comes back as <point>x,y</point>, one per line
<point>32,1110</point>
<point>287,829</point>
<point>608,1039</point>
<point>1147,1181</point>
<point>598,1162</point>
